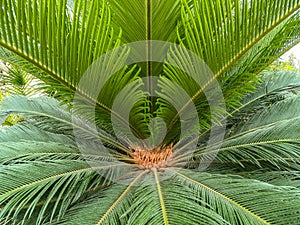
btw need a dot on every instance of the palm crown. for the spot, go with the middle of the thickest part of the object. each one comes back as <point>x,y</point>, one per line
<point>106,158</point>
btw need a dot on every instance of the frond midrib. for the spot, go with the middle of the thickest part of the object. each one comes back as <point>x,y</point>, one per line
<point>120,198</point>
<point>114,143</point>
<point>161,198</point>
<point>232,62</point>
<point>88,168</point>
<point>248,132</point>
<point>108,158</point>
<point>65,83</point>
<point>231,201</point>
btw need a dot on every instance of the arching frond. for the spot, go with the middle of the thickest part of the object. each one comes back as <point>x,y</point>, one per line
<point>38,179</point>
<point>106,207</point>
<point>278,178</point>
<point>221,32</point>
<point>240,200</point>
<point>274,86</point>
<point>46,113</point>
<point>28,132</point>
<point>65,43</point>
<point>47,175</point>
<point>178,206</point>
<point>20,82</point>
<point>272,138</point>
<point>146,20</point>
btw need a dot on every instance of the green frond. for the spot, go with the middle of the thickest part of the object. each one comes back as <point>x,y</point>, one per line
<point>146,20</point>
<point>274,86</point>
<point>276,144</point>
<point>47,114</point>
<point>244,201</point>
<point>277,112</point>
<point>172,99</point>
<point>29,132</point>
<point>106,207</point>
<point>242,77</point>
<point>180,205</point>
<point>64,44</point>
<point>270,136</point>
<point>35,181</point>
<point>90,210</point>
<point>272,107</point>
<point>68,37</point>
<point>218,32</point>
<point>49,85</point>
<point>271,47</point>
<point>52,175</point>
<point>278,178</point>
<point>221,32</point>
<point>20,82</point>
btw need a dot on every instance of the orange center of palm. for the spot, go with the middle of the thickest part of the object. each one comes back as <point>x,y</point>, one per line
<point>155,158</point>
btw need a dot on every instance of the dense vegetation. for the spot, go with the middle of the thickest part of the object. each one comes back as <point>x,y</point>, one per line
<point>75,157</point>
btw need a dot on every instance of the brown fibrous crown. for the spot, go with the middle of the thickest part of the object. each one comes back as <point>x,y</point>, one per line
<point>158,158</point>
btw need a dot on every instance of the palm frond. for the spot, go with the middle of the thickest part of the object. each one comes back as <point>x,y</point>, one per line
<point>27,132</point>
<point>145,20</point>
<point>106,207</point>
<point>277,145</point>
<point>47,114</point>
<point>50,86</point>
<point>53,174</point>
<point>234,26</point>
<point>278,112</point>
<point>37,179</point>
<point>276,93</point>
<point>20,82</point>
<point>178,206</point>
<point>240,200</point>
<point>63,28</point>
<point>64,44</point>
<point>278,178</point>
<point>218,32</point>
<point>273,88</point>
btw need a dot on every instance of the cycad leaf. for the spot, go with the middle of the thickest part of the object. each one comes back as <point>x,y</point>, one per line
<point>56,118</point>
<point>21,83</point>
<point>240,200</point>
<point>90,210</point>
<point>106,207</point>
<point>278,178</point>
<point>259,114</point>
<point>271,135</point>
<point>281,111</point>
<point>215,35</point>
<point>47,177</point>
<point>49,84</point>
<point>146,20</point>
<point>221,32</point>
<point>27,184</point>
<point>180,205</point>
<point>67,34</point>
<point>64,44</point>
<point>275,85</point>
<point>28,132</point>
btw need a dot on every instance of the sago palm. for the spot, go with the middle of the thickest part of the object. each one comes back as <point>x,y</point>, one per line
<point>151,132</point>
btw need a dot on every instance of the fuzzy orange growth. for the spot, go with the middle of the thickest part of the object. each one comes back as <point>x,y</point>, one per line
<point>155,158</point>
